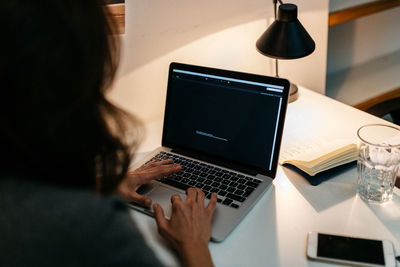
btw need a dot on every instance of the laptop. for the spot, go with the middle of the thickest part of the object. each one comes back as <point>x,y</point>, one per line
<point>224,128</point>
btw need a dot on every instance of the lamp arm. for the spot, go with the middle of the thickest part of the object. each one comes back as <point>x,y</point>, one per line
<point>275,7</point>
<point>275,2</point>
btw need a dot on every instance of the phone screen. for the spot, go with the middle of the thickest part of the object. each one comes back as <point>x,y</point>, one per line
<point>351,249</point>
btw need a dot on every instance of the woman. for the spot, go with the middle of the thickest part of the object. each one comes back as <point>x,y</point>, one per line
<point>63,159</point>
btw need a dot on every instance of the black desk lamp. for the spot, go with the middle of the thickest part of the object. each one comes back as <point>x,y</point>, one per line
<point>286,38</point>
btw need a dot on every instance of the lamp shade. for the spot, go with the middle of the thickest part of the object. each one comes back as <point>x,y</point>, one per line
<point>286,38</point>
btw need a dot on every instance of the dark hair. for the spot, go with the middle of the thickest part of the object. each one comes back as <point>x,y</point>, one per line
<point>58,58</point>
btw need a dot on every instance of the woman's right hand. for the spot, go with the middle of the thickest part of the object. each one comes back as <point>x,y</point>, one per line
<point>189,228</point>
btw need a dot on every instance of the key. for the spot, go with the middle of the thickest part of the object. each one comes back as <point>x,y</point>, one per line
<point>227,201</point>
<point>251,184</point>
<point>236,197</point>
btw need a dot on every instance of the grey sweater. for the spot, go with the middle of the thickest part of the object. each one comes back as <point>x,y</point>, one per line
<point>42,225</point>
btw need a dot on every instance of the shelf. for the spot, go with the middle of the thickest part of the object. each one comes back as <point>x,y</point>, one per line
<point>365,105</point>
<point>359,85</point>
<point>351,13</point>
<point>111,2</point>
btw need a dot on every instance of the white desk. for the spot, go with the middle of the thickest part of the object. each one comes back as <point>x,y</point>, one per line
<point>274,232</point>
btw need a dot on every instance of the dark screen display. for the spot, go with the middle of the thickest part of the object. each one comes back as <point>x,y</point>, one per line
<point>227,118</point>
<point>352,249</point>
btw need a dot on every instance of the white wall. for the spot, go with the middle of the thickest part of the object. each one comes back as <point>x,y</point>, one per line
<point>215,33</point>
<point>364,39</point>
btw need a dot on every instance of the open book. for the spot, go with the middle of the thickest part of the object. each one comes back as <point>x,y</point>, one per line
<point>316,155</point>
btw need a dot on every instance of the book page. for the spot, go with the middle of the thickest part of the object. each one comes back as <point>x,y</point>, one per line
<point>309,149</point>
<point>304,143</point>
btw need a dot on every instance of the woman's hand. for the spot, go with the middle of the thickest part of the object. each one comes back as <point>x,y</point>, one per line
<point>143,175</point>
<point>189,229</point>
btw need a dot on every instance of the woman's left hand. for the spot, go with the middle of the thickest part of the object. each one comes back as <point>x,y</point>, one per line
<point>143,175</point>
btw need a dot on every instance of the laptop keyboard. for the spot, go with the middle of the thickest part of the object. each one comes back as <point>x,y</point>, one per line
<point>232,188</point>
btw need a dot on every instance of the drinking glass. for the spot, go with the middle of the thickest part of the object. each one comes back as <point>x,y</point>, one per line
<point>378,161</point>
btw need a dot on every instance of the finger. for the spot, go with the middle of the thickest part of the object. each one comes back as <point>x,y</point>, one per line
<point>170,169</point>
<point>135,197</point>
<point>148,164</point>
<point>167,166</point>
<point>149,174</point>
<point>212,204</point>
<point>160,171</point>
<point>160,162</point>
<point>142,200</point>
<point>175,198</point>
<point>200,197</point>
<point>162,223</point>
<point>154,163</point>
<point>191,194</point>
<point>166,161</point>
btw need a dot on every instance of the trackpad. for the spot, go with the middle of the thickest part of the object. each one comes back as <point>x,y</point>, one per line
<point>162,196</point>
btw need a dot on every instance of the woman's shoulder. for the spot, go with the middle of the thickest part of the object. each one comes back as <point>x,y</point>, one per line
<point>67,222</point>
<point>38,199</point>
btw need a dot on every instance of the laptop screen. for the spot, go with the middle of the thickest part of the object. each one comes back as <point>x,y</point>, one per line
<point>231,116</point>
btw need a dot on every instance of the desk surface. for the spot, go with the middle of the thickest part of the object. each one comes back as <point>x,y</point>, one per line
<point>274,233</point>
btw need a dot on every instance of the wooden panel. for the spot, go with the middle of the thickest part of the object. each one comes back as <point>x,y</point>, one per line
<point>379,99</point>
<point>117,14</point>
<point>348,14</point>
<point>110,2</point>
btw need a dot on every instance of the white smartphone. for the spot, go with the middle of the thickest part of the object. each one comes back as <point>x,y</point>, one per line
<point>350,250</point>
